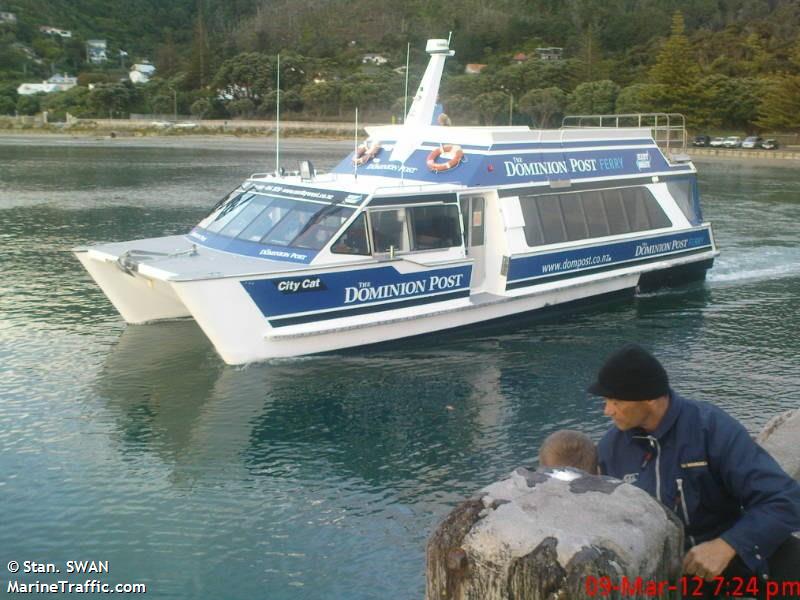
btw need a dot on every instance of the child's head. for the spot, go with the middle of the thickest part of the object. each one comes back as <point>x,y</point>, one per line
<point>567,448</point>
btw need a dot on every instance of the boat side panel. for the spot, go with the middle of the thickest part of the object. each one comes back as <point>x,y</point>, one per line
<point>563,263</point>
<point>241,334</point>
<point>343,293</point>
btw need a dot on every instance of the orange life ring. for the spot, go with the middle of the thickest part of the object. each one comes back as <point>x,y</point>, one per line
<point>457,155</point>
<point>365,153</point>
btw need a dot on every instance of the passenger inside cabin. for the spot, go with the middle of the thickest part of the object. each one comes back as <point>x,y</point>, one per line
<point>569,448</point>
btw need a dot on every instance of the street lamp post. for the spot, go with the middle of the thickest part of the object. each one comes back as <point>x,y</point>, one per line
<point>174,105</point>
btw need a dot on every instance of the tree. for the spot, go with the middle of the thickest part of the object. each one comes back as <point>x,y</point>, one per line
<point>491,104</point>
<point>28,105</point>
<point>460,109</point>
<point>242,107</point>
<point>290,101</point>
<point>167,61</point>
<point>544,106</point>
<point>780,108</point>
<point>675,65</point>
<point>590,65</point>
<point>7,105</point>
<point>74,101</point>
<point>199,71</point>
<point>201,108</point>
<point>730,102</point>
<point>642,98</point>
<point>247,75</point>
<point>321,98</point>
<point>594,97</point>
<point>107,100</point>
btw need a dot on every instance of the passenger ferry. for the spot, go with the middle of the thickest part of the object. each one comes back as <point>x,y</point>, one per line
<point>422,228</point>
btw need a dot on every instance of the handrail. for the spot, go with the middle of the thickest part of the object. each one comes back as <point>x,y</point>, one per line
<point>666,128</point>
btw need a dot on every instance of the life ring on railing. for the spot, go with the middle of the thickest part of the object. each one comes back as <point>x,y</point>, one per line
<point>365,153</point>
<point>455,152</point>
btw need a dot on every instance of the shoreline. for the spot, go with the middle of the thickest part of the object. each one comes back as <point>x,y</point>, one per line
<point>299,138</point>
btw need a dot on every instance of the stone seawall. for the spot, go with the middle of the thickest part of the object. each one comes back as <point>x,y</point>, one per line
<point>740,153</point>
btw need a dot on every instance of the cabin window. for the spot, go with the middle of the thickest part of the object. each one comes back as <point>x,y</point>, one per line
<point>291,225</point>
<point>615,211</point>
<point>434,227</point>
<point>681,190</point>
<point>472,220</point>
<point>574,219</point>
<point>389,230</point>
<point>245,216</point>
<point>354,239</point>
<point>596,220</point>
<point>533,226</point>
<point>552,222</point>
<point>277,221</point>
<point>477,219</point>
<point>224,214</point>
<point>322,227</point>
<point>555,218</point>
<point>267,219</point>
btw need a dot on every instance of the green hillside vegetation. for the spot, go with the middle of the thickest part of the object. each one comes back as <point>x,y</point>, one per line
<point>725,64</point>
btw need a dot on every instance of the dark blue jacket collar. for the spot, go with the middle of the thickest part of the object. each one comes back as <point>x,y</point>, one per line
<point>667,421</point>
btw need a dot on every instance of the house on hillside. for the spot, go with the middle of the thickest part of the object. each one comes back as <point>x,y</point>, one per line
<point>474,68</point>
<point>549,53</point>
<point>8,17</point>
<point>57,83</point>
<point>520,57</point>
<point>64,33</point>
<point>375,59</point>
<point>141,72</point>
<point>96,51</point>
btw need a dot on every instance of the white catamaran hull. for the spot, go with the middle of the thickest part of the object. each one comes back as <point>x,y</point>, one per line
<point>240,332</point>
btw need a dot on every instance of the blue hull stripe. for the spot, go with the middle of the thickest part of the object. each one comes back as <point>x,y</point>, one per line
<point>532,269</point>
<point>592,270</point>
<point>310,297</point>
<point>363,310</point>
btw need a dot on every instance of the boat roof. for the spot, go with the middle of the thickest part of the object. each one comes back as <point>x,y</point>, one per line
<point>496,157</point>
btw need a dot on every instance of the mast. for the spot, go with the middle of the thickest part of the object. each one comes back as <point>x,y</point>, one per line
<point>420,114</point>
<point>278,122</point>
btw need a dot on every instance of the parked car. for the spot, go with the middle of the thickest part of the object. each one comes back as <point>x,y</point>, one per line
<point>732,141</point>
<point>717,142</point>
<point>769,144</point>
<point>752,142</point>
<point>701,140</point>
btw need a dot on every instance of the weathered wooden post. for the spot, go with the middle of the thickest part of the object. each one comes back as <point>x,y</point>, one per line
<point>781,438</point>
<point>555,534</point>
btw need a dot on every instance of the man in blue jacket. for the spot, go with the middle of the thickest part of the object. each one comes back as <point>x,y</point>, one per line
<point>737,505</point>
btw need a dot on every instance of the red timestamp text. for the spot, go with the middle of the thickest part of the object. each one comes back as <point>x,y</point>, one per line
<point>690,587</point>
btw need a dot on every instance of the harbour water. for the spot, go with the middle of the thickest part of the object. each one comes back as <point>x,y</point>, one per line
<point>318,477</point>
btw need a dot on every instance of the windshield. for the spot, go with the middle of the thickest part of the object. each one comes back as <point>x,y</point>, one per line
<point>276,221</point>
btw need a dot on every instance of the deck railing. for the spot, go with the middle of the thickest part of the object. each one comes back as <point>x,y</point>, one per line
<point>668,129</point>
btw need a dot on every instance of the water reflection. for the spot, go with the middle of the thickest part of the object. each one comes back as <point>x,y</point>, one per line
<point>405,418</point>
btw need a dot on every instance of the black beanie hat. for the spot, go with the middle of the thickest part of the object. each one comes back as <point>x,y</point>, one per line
<point>631,373</point>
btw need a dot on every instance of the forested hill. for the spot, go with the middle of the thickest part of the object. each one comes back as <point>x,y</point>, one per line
<point>726,63</point>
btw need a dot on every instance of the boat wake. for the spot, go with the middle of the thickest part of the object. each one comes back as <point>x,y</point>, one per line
<point>770,263</point>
